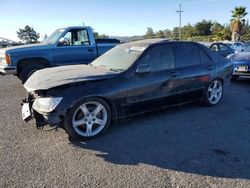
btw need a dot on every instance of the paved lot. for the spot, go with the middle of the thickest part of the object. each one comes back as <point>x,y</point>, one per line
<point>193,146</point>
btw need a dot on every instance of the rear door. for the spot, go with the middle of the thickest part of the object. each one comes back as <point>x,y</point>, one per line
<point>196,69</point>
<point>160,86</point>
<point>77,49</point>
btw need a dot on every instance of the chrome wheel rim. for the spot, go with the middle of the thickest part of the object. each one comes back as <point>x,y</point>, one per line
<point>215,92</point>
<point>89,119</point>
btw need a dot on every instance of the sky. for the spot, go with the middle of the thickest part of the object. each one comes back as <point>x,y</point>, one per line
<point>110,17</point>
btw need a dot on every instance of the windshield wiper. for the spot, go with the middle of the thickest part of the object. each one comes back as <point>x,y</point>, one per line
<point>111,69</point>
<point>117,70</point>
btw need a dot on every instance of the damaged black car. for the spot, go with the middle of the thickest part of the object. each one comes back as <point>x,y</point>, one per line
<point>130,79</point>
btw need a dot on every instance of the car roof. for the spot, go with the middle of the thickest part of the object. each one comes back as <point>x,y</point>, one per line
<point>149,42</point>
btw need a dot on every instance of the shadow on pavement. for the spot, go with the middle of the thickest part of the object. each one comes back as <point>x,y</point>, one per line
<point>242,81</point>
<point>180,141</point>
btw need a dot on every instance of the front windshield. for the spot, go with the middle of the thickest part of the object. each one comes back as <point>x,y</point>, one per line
<point>54,37</point>
<point>121,57</point>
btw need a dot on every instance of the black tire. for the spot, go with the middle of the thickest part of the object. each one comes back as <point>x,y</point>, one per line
<point>28,70</point>
<point>234,77</point>
<point>70,116</point>
<point>216,92</point>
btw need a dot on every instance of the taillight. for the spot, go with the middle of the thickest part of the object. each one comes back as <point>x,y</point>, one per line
<point>8,60</point>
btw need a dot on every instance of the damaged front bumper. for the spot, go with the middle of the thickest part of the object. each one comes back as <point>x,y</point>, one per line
<point>42,119</point>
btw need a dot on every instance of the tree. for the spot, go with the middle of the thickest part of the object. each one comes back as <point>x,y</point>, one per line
<point>167,33</point>
<point>28,35</point>
<point>175,33</point>
<point>96,35</point>
<point>246,32</point>
<point>237,22</point>
<point>159,34</point>
<point>103,36</point>
<point>188,31</point>
<point>203,28</point>
<point>217,31</point>
<point>150,33</point>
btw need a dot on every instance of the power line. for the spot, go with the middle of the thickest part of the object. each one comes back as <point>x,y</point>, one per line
<point>180,11</point>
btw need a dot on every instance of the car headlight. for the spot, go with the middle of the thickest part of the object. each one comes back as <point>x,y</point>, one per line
<point>47,104</point>
<point>5,59</point>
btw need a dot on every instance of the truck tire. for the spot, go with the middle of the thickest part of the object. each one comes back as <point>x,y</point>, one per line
<point>28,70</point>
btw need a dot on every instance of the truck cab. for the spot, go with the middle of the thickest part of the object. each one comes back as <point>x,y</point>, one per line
<point>65,46</point>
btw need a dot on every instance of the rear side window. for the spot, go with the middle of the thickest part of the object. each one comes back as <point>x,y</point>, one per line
<point>160,57</point>
<point>205,59</point>
<point>188,54</point>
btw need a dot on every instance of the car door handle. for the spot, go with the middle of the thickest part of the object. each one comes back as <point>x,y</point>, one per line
<point>211,67</point>
<point>175,74</point>
<point>90,50</point>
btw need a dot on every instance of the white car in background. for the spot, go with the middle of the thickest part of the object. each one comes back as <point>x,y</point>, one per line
<point>238,46</point>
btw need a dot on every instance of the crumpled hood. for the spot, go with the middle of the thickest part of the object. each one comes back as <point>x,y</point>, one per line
<point>52,77</point>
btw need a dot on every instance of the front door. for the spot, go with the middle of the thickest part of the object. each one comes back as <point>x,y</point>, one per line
<point>159,87</point>
<point>76,49</point>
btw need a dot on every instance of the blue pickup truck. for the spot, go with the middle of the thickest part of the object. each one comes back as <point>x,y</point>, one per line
<point>66,46</point>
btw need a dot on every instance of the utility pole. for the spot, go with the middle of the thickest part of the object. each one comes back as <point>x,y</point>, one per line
<point>180,11</point>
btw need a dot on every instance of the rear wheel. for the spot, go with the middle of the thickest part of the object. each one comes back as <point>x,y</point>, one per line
<point>28,70</point>
<point>213,93</point>
<point>88,119</point>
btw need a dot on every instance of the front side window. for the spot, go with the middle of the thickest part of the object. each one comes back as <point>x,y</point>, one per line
<point>160,58</point>
<point>189,55</point>
<point>77,38</point>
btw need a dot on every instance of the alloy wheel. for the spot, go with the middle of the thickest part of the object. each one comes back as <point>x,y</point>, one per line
<point>89,119</point>
<point>215,90</point>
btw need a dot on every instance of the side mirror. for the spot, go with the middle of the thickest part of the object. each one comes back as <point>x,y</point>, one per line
<point>143,68</point>
<point>63,42</point>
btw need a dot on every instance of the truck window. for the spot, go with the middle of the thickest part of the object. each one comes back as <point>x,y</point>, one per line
<point>77,37</point>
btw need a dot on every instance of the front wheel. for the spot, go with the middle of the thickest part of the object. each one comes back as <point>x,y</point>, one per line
<point>88,119</point>
<point>28,70</point>
<point>213,93</point>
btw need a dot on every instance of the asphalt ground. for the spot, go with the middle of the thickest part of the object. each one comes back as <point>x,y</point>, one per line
<point>192,146</point>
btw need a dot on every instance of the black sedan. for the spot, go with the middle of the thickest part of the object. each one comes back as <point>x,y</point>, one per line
<point>130,79</point>
<point>222,49</point>
<point>241,65</point>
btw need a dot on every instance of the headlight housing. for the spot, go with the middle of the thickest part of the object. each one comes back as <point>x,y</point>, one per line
<point>5,59</point>
<point>47,104</point>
